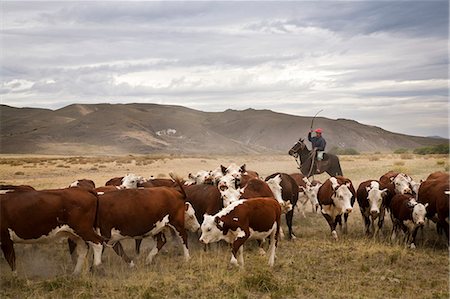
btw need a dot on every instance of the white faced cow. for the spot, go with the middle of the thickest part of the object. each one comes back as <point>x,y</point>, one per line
<point>336,198</point>
<point>372,205</point>
<point>407,215</point>
<point>256,218</point>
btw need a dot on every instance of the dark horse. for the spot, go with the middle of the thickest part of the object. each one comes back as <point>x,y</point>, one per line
<point>304,157</point>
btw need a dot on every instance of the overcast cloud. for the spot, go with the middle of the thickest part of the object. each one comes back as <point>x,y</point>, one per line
<point>382,63</point>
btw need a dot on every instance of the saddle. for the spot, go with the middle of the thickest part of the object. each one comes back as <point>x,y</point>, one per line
<point>322,164</point>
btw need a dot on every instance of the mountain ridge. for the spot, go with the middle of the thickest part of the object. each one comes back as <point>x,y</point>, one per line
<point>102,129</point>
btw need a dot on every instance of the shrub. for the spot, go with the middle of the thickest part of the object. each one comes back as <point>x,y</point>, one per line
<point>343,151</point>
<point>436,149</point>
<point>19,173</point>
<point>401,151</point>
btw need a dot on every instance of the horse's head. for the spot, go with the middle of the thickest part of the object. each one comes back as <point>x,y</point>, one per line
<point>298,146</point>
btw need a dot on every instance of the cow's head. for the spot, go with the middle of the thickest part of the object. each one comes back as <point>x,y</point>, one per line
<point>375,197</point>
<point>227,181</point>
<point>234,171</point>
<point>130,181</point>
<point>190,221</point>
<point>418,211</point>
<point>342,196</point>
<point>402,184</point>
<point>230,195</point>
<point>216,175</point>
<point>212,229</point>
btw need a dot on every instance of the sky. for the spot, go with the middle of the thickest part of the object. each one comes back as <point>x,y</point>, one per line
<point>381,63</point>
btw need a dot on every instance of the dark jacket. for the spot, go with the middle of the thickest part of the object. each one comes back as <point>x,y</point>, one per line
<point>317,142</point>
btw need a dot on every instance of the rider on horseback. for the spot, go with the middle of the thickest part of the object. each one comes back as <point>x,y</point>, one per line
<point>318,145</point>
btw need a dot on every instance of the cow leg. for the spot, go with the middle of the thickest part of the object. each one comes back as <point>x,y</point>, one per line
<point>413,237</point>
<point>394,230</point>
<point>72,247</point>
<point>82,251</point>
<point>137,246</point>
<point>366,225</point>
<point>120,252</point>
<point>8,251</point>
<point>241,256</point>
<point>289,216</point>
<point>160,241</point>
<point>272,247</point>
<point>261,249</point>
<point>235,247</point>
<point>98,250</point>
<point>182,235</point>
<point>332,225</point>
<point>380,222</point>
<point>345,230</point>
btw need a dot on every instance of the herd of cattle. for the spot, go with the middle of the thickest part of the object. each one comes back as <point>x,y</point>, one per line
<point>230,203</point>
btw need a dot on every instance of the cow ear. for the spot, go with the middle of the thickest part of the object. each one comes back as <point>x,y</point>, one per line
<point>190,176</point>
<point>243,168</point>
<point>217,222</point>
<point>224,169</point>
<point>367,188</point>
<point>301,189</point>
<point>410,204</point>
<point>187,206</point>
<point>426,205</point>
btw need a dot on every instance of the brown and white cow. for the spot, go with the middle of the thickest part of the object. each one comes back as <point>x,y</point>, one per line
<point>432,191</point>
<point>141,213</point>
<point>289,196</point>
<point>256,218</point>
<point>407,214</point>
<point>372,205</point>
<point>49,215</point>
<point>396,183</point>
<point>205,199</point>
<point>336,198</point>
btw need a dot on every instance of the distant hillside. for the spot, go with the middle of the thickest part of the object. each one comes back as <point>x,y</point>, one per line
<point>103,129</point>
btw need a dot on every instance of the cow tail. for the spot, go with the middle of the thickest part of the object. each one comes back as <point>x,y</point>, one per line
<point>179,182</point>
<point>97,205</point>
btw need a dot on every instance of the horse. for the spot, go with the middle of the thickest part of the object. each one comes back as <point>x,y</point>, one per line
<point>304,158</point>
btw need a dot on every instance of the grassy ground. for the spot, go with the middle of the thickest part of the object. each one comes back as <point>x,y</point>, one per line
<point>312,266</point>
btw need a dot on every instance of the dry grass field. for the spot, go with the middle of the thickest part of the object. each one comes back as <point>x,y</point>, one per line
<point>311,266</point>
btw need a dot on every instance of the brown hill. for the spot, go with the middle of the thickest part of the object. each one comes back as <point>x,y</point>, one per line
<point>104,129</point>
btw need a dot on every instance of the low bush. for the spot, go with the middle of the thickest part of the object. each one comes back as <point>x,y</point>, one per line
<point>436,149</point>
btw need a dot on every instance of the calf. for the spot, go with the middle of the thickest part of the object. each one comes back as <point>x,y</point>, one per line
<point>140,213</point>
<point>49,215</point>
<point>432,192</point>
<point>407,215</point>
<point>371,204</point>
<point>336,197</point>
<point>307,191</point>
<point>256,218</point>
